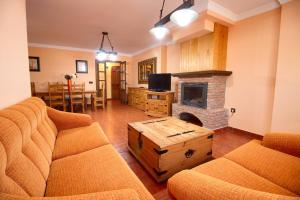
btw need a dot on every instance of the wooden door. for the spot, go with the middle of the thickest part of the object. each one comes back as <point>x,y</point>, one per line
<point>101,79</point>
<point>123,87</point>
<point>115,82</point>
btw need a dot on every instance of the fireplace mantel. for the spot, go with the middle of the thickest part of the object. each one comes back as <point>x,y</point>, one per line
<point>207,73</point>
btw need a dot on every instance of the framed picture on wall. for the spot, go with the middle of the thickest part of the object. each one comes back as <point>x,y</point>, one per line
<point>145,68</point>
<point>81,66</point>
<point>34,64</point>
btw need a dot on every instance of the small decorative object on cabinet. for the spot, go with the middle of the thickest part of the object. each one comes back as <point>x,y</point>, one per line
<point>145,68</point>
<point>159,104</point>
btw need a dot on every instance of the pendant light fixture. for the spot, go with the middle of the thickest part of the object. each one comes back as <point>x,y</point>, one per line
<point>102,54</point>
<point>184,17</point>
<point>159,31</point>
<point>181,16</point>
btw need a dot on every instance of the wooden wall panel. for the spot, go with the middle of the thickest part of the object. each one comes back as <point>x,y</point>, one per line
<point>205,53</point>
<point>205,45</point>
<point>220,47</point>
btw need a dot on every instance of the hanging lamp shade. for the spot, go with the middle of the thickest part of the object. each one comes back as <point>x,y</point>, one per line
<point>184,17</point>
<point>159,32</point>
<point>101,55</point>
<point>112,56</point>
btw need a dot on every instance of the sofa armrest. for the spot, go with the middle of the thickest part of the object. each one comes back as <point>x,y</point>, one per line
<point>285,142</point>
<point>128,194</point>
<point>66,120</point>
<point>189,184</point>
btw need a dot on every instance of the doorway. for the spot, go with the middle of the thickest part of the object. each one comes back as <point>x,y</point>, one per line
<point>115,82</point>
<point>112,76</point>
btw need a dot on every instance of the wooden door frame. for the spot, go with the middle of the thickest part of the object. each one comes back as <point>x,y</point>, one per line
<point>98,78</point>
<point>105,65</point>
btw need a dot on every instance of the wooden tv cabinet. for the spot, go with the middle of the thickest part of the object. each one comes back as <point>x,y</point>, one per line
<point>156,104</point>
<point>159,104</point>
<point>137,97</point>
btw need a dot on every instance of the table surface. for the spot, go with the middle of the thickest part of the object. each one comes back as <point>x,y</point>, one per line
<point>40,94</point>
<point>169,131</point>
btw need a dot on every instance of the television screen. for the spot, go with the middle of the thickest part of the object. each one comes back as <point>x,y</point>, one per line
<point>160,82</point>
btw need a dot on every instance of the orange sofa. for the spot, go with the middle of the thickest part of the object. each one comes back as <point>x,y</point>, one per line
<point>47,154</point>
<point>257,170</point>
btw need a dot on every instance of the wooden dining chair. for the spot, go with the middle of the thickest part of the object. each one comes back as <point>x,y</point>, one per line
<point>99,99</point>
<point>33,90</point>
<point>56,95</point>
<point>77,96</point>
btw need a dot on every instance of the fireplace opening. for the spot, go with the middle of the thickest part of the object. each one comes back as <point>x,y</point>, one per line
<point>188,117</point>
<point>194,94</point>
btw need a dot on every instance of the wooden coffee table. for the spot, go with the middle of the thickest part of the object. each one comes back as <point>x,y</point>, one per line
<point>168,145</point>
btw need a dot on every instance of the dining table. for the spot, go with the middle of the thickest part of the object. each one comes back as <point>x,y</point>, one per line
<point>45,96</point>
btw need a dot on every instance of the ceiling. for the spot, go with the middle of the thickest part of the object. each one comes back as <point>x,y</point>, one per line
<point>78,23</point>
<point>240,6</point>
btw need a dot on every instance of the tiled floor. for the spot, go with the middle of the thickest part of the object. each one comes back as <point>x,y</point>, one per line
<point>114,121</point>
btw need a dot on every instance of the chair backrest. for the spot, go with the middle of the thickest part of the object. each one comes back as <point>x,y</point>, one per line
<point>78,91</point>
<point>33,91</point>
<point>56,92</point>
<point>101,92</point>
<point>27,137</point>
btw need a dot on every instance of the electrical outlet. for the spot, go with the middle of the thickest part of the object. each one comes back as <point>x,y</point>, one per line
<point>232,110</point>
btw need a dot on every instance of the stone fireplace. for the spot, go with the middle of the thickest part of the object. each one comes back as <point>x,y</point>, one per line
<point>194,94</point>
<point>201,95</point>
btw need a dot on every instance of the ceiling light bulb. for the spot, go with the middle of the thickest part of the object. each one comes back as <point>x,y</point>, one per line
<point>101,55</point>
<point>184,17</point>
<point>159,32</point>
<point>113,56</point>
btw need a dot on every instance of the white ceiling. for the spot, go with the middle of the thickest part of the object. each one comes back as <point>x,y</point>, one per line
<point>240,6</point>
<point>78,23</point>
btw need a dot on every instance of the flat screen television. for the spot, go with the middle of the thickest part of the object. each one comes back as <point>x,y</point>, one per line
<point>159,82</point>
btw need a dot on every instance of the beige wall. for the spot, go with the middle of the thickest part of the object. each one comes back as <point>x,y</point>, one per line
<point>168,60</point>
<point>286,113</point>
<point>14,76</point>
<point>55,63</point>
<point>252,56</point>
<point>159,52</point>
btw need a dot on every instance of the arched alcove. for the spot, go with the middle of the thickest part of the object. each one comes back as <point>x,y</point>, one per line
<point>188,117</point>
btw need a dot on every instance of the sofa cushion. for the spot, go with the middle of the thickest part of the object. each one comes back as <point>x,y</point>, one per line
<point>285,142</point>
<point>231,172</point>
<point>97,170</point>
<point>191,185</point>
<point>280,168</point>
<point>78,140</point>
<point>125,194</point>
<point>27,139</point>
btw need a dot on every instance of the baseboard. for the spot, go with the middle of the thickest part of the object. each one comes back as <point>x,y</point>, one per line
<point>239,131</point>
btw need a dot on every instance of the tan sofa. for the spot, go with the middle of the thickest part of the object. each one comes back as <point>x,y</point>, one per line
<point>52,155</point>
<point>257,170</point>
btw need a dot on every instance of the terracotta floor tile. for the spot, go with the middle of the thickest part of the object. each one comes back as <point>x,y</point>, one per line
<point>114,119</point>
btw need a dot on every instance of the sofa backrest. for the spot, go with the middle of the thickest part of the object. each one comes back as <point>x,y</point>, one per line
<point>27,138</point>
